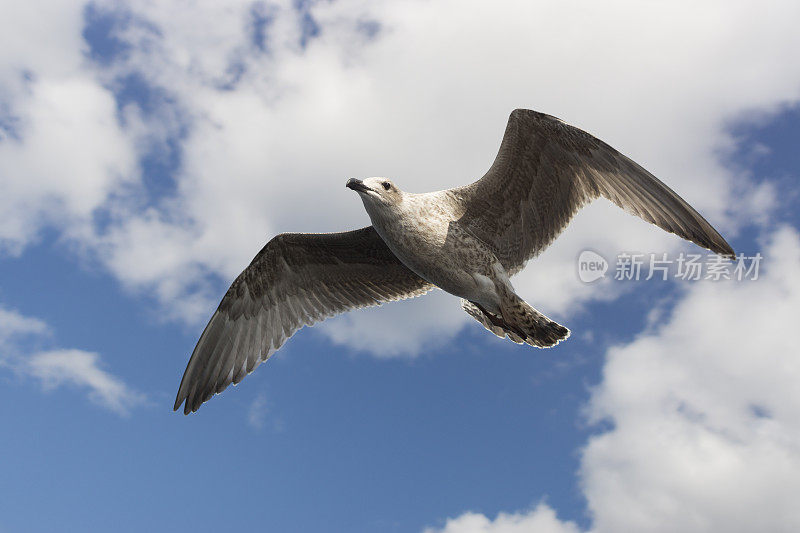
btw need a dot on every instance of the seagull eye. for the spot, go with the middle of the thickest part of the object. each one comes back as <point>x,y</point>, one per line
<point>387,185</point>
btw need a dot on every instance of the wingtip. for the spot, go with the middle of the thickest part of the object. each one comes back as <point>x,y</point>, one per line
<point>177,407</point>
<point>192,401</point>
<point>729,253</point>
<point>185,401</point>
<point>724,249</point>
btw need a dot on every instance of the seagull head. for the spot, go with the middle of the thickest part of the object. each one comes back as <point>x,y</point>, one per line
<point>376,191</point>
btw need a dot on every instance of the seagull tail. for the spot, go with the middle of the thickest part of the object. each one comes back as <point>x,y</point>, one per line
<point>519,322</point>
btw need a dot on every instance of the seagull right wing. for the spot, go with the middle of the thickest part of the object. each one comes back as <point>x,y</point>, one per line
<point>297,279</point>
<point>545,171</point>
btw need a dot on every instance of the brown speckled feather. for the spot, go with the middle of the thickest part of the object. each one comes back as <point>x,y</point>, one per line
<point>545,171</point>
<point>296,280</point>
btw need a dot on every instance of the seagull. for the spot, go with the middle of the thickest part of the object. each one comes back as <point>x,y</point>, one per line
<point>467,241</point>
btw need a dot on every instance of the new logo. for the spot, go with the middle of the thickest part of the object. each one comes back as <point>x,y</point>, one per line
<point>591,266</point>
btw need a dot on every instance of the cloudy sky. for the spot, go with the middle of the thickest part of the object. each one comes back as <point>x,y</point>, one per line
<point>149,149</point>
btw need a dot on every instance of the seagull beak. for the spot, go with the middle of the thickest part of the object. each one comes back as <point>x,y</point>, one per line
<point>357,185</point>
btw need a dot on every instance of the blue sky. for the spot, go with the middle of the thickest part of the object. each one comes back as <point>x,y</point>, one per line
<point>147,153</point>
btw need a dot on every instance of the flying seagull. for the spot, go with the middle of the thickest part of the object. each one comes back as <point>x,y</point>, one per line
<point>467,241</point>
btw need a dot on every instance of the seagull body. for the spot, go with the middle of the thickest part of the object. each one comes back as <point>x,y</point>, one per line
<point>467,241</point>
<point>422,230</point>
<point>429,234</point>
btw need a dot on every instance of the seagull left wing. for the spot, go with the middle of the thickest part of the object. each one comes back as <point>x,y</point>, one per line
<point>545,171</point>
<point>296,280</point>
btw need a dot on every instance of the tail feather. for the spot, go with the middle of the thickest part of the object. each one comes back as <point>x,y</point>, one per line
<point>520,322</point>
<point>473,311</point>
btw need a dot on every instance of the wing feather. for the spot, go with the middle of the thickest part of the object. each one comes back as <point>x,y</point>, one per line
<point>545,171</point>
<point>294,281</point>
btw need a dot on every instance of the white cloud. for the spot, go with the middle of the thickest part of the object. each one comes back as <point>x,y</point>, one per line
<point>70,157</point>
<point>55,368</point>
<point>82,369</point>
<point>55,42</point>
<point>273,133</point>
<point>414,326</point>
<point>257,412</point>
<point>62,152</point>
<point>705,415</point>
<point>13,324</point>
<point>541,519</point>
<point>261,414</point>
<point>705,411</point>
